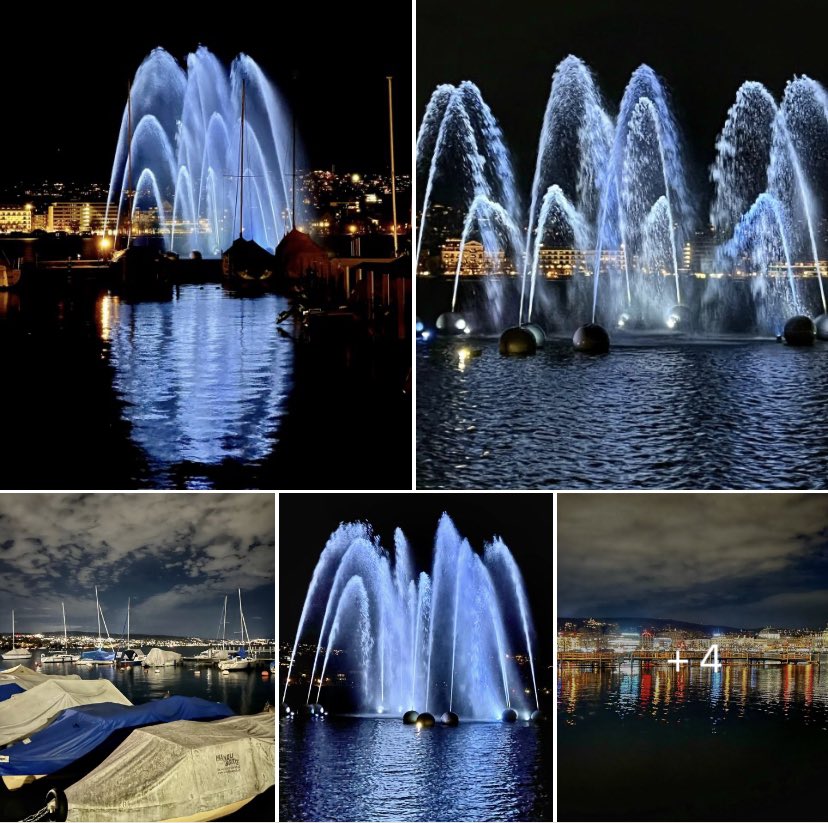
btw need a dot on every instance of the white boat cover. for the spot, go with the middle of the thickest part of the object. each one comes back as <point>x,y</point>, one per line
<point>180,770</point>
<point>26,677</point>
<point>161,657</point>
<point>24,713</point>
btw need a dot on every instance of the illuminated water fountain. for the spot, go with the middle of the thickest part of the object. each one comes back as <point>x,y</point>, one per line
<point>182,167</point>
<point>616,190</point>
<point>436,645</point>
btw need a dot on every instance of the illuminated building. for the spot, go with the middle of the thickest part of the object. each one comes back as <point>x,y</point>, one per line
<point>16,218</point>
<point>475,259</point>
<point>76,216</point>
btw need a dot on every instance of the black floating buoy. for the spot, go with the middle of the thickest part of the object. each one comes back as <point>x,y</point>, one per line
<point>591,339</point>
<point>509,716</point>
<point>538,716</point>
<point>285,710</point>
<point>799,331</point>
<point>307,710</point>
<point>410,718</point>
<point>821,324</point>
<point>452,322</point>
<point>517,341</point>
<point>57,805</point>
<point>425,719</point>
<point>537,332</point>
<point>449,719</point>
<point>678,317</point>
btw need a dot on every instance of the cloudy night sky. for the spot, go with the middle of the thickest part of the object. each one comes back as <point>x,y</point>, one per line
<point>740,560</point>
<point>176,555</point>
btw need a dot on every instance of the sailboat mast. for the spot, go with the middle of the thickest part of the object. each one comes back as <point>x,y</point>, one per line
<point>128,602</point>
<point>65,635</point>
<point>241,167</point>
<point>241,621</point>
<point>12,648</point>
<point>129,161</point>
<point>224,629</point>
<point>393,173</point>
<point>98,610</point>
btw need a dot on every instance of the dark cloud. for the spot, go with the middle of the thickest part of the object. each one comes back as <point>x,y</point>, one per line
<point>176,555</point>
<point>734,559</point>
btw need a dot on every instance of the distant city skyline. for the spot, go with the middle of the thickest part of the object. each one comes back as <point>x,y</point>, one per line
<point>175,555</point>
<point>740,560</point>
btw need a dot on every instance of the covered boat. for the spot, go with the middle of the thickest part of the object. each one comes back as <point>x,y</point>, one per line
<point>25,713</point>
<point>161,657</point>
<point>180,771</point>
<point>80,730</point>
<point>21,678</point>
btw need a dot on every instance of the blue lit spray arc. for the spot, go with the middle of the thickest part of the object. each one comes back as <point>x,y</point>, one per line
<point>439,643</point>
<point>618,186</point>
<point>184,158</point>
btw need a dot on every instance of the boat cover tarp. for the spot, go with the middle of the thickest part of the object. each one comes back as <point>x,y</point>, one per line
<point>26,677</point>
<point>25,713</point>
<point>179,770</point>
<point>98,654</point>
<point>8,689</point>
<point>78,731</point>
<point>161,657</point>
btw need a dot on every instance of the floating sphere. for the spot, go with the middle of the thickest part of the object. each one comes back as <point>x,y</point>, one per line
<point>679,317</point>
<point>449,719</point>
<point>420,327</point>
<point>821,324</point>
<point>591,339</point>
<point>537,332</point>
<point>317,709</point>
<point>799,331</point>
<point>307,710</point>
<point>538,716</point>
<point>509,716</point>
<point>425,719</point>
<point>629,320</point>
<point>517,341</point>
<point>410,718</point>
<point>284,710</point>
<point>452,322</point>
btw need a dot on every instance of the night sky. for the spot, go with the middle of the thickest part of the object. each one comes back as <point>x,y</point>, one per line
<point>703,51</point>
<point>524,521</point>
<point>176,555</point>
<point>740,560</point>
<point>66,128</point>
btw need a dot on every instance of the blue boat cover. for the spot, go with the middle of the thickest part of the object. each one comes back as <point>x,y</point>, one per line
<point>8,689</point>
<point>98,654</point>
<point>242,653</point>
<point>76,732</point>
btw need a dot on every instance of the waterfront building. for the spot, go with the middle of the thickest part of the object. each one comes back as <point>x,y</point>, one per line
<point>16,218</point>
<point>75,216</point>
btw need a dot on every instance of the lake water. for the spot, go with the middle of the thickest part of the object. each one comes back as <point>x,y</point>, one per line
<point>644,743</point>
<point>354,768</point>
<point>658,412</point>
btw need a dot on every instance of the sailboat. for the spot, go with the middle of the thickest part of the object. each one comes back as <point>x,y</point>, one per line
<point>98,657</point>
<point>212,654</point>
<point>64,656</point>
<point>16,654</point>
<point>239,661</point>
<point>246,262</point>
<point>129,656</point>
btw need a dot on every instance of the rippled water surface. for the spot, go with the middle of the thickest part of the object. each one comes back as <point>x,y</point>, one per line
<point>378,769</point>
<point>657,412</point>
<point>746,743</point>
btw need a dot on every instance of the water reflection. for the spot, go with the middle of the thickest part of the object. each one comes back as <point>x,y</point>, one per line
<point>641,689</point>
<point>377,769</point>
<point>204,375</point>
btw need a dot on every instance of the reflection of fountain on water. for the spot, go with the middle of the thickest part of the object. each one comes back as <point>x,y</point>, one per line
<point>616,191</point>
<point>438,644</point>
<point>185,150</point>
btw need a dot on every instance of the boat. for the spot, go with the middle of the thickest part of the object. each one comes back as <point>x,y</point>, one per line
<point>16,654</point>
<point>183,770</point>
<point>78,731</point>
<point>129,656</point>
<point>160,657</point>
<point>239,661</point>
<point>64,656</point>
<point>9,274</point>
<point>245,262</point>
<point>25,713</point>
<point>99,656</point>
<point>211,655</point>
